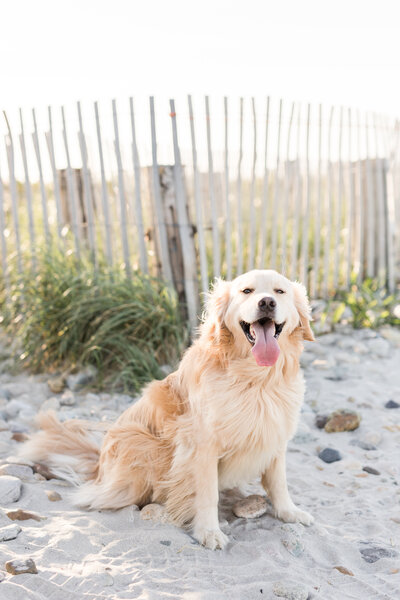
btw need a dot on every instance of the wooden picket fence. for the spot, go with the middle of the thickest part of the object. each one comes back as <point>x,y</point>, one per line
<point>201,189</point>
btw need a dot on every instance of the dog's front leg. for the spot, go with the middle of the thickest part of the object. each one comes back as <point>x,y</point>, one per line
<point>274,483</point>
<point>205,524</point>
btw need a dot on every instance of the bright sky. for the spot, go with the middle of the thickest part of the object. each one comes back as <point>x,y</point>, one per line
<point>340,51</point>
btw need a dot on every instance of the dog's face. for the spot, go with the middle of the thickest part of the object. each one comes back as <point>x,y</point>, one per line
<point>258,308</point>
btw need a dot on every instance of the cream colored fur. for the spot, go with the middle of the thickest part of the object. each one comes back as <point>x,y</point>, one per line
<point>217,422</point>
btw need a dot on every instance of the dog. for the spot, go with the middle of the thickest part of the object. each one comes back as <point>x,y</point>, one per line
<point>221,420</point>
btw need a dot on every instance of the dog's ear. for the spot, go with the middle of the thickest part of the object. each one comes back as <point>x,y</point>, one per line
<point>216,306</point>
<point>303,308</point>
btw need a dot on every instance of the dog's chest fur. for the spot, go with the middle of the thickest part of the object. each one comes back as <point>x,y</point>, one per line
<point>252,426</point>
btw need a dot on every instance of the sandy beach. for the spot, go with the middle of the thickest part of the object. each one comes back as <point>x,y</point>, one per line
<point>351,551</point>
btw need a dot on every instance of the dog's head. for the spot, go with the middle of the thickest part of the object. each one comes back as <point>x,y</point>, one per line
<point>258,308</point>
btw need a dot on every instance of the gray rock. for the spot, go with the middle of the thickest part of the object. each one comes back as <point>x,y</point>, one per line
<point>84,377</point>
<point>290,591</point>
<point>303,434</point>
<point>15,406</point>
<point>371,470</point>
<point>9,533</point>
<point>3,425</point>
<point>251,507</point>
<point>392,404</point>
<point>68,398</point>
<point>18,427</point>
<point>375,553</point>
<point>21,471</point>
<point>363,445</point>
<point>10,489</point>
<point>5,393</point>
<point>93,398</point>
<point>329,455</point>
<point>19,566</point>
<point>320,420</point>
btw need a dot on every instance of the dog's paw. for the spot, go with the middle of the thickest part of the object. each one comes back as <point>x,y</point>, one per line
<point>294,515</point>
<point>211,538</point>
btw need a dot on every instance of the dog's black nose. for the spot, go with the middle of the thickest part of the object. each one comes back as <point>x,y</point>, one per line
<point>267,304</point>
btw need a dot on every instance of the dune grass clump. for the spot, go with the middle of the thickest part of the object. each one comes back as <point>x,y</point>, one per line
<point>68,313</point>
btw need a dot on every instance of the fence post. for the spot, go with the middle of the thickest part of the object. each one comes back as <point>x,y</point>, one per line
<point>286,194</point>
<point>4,263</point>
<point>306,215</point>
<point>71,192</point>
<point>14,195</point>
<point>228,224</point>
<point>43,195</point>
<point>264,210</point>
<point>239,197</point>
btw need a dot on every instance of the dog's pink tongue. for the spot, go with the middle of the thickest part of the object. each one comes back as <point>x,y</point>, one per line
<point>266,348</point>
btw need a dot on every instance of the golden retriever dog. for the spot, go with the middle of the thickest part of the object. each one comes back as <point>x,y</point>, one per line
<point>221,420</point>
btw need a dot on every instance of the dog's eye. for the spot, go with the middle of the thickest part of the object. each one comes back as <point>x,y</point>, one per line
<point>279,291</point>
<point>247,291</point>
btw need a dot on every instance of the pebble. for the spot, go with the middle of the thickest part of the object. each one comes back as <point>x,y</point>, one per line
<point>19,566</point>
<point>380,347</point>
<point>342,420</point>
<point>363,445</point>
<point>3,425</point>
<point>303,435</point>
<point>290,592</point>
<point>375,553</point>
<point>371,470</point>
<point>320,421</point>
<point>339,373</point>
<point>344,571</point>
<point>154,512</point>
<point>292,541</point>
<point>9,533</point>
<point>10,489</point>
<point>53,496</point>
<point>251,507</point>
<point>84,377</point>
<point>15,406</point>
<point>56,384</point>
<point>329,455</point>
<point>23,472</point>
<point>68,398</point>
<point>23,515</point>
<point>392,404</point>
<point>20,437</point>
<point>44,471</point>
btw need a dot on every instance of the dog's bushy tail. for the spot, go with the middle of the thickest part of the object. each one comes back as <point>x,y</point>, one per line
<point>70,449</point>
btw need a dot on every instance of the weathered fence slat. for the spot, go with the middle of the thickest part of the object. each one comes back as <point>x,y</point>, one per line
<point>165,265</point>
<point>350,209</point>
<point>28,192</point>
<point>228,223</point>
<point>264,207</point>
<point>104,191</point>
<point>361,204</point>
<point>43,195</point>
<point>329,204</point>
<point>274,234</point>
<point>297,200</point>
<point>287,183</point>
<point>198,205</point>
<point>338,207</point>
<point>252,227</point>
<point>71,192</point>
<point>185,230</point>
<point>211,191</point>
<point>138,194</point>
<point>317,224</point>
<point>87,192</point>
<point>306,215</point>
<point>4,262</point>
<point>121,192</point>
<point>381,211</point>
<point>14,194</point>
<point>239,245</point>
<point>56,183</point>
<point>370,206</point>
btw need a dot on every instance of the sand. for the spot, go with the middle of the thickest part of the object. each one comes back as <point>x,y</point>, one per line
<point>94,555</point>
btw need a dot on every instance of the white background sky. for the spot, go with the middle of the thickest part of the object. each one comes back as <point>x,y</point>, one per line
<point>58,51</point>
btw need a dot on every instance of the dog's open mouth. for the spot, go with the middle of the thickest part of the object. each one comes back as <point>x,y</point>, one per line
<point>263,336</point>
